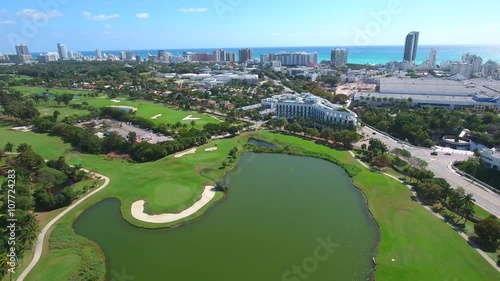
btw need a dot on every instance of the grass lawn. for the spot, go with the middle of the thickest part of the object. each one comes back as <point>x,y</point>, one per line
<point>48,147</point>
<point>423,247</point>
<point>149,109</point>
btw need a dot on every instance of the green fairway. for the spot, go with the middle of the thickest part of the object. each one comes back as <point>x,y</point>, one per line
<point>148,110</point>
<point>48,147</point>
<point>423,247</point>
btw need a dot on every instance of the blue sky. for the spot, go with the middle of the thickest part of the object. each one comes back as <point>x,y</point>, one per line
<point>172,24</point>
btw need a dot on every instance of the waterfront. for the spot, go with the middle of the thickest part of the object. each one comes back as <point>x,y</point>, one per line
<point>278,211</point>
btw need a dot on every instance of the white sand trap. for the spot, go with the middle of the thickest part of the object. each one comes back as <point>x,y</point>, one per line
<point>116,100</point>
<point>190,117</point>
<point>137,209</point>
<point>185,152</point>
<point>123,106</point>
<point>22,129</point>
<point>156,116</point>
<point>211,149</point>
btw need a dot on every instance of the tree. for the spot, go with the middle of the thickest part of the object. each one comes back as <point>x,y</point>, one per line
<point>222,185</point>
<point>8,147</point>
<point>131,138</point>
<point>193,123</point>
<point>327,134</point>
<point>488,230</point>
<point>377,147</point>
<point>363,146</point>
<point>23,147</point>
<point>468,206</point>
<point>56,114</point>
<point>381,161</point>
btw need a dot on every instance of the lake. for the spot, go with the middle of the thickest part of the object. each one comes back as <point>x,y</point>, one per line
<point>284,218</point>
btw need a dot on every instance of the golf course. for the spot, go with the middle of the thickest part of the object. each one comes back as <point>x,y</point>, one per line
<point>410,243</point>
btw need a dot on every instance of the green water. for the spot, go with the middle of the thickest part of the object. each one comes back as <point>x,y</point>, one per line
<point>274,224</point>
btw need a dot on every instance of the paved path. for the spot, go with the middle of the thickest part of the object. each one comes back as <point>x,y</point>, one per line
<point>137,209</point>
<point>41,236</point>
<point>484,197</point>
<point>462,234</point>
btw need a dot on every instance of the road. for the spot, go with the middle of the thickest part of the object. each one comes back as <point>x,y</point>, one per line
<point>41,236</point>
<point>440,165</point>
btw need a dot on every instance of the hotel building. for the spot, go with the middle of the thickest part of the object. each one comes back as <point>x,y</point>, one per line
<point>309,106</point>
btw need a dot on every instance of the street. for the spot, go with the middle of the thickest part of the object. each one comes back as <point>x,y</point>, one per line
<point>440,166</point>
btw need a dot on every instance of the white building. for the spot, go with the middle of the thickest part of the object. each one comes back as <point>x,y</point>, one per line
<point>48,57</point>
<point>98,53</point>
<point>231,57</point>
<point>432,58</point>
<point>219,55</point>
<point>339,57</point>
<point>463,68</point>
<point>63,51</point>
<point>491,158</point>
<point>308,106</point>
<point>490,68</point>
<point>297,58</point>
<point>475,61</point>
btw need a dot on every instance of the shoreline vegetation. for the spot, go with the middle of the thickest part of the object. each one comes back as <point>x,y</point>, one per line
<point>406,251</point>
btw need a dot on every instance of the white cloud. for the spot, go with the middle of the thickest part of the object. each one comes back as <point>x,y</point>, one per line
<point>142,16</point>
<point>90,17</point>
<point>38,15</point>
<point>108,26</point>
<point>193,10</point>
<point>7,22</point>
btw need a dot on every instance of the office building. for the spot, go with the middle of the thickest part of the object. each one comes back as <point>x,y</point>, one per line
<point>339,57</point>
<point>297,58</point>
<point>98,54</point>
<point>62,51</point>
<point>309,106</point>
<point>266,58</point>
<point>163,56</point>
<point>432,58</point>
<point>245,55</point>
<point>231,57</point>
<point>490,158</point>
<point>219,55</point>
<point>122,55</point>
<point>138,58</point>
<point>411,45</point>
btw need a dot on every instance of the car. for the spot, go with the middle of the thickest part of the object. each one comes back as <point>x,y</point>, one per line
<point>374,133</point>
<point>447,153</point>
<point>434,153</point>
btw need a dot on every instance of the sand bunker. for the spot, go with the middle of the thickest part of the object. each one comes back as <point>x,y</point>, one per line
<point>137,209</point>
<point>156,116</point>
<point>126,107</point>
<point>211,149</point>
<point>22,129</point>
<point>116,100</point>
<point>190,117</point>
<point>186,152</point>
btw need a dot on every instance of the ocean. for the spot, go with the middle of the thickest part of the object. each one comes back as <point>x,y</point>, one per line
<point>358,55</point>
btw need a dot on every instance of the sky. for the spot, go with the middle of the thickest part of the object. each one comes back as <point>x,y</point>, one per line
<point>176,24</point>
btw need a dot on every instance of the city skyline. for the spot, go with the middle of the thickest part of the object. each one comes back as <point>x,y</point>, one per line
<point>234,24</point>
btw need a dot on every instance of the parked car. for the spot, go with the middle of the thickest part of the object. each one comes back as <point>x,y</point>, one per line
<point>434,153</point>
<point>374,133</point>
<point>447,153</point>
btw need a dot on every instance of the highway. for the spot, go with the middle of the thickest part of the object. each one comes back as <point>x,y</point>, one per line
<point>441,166</point>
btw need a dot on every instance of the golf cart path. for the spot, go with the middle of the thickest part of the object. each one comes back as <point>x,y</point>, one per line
<point>462,234</point>
<point>39,241</point>
<point>137,209</point>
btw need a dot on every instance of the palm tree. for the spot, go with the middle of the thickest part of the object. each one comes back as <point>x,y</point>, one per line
<point>23,147</point>
<point>56,114</point>
<point>8,147</point>
<point>468,206</point>
<point>193,123</point>
<point>5,263</point>
<point>445,192</point>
